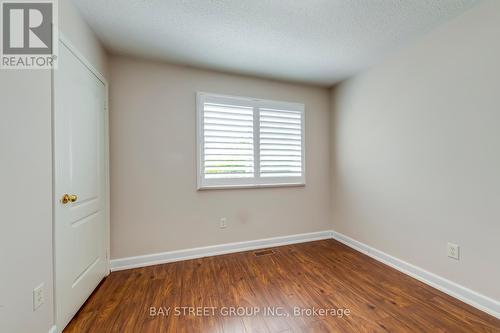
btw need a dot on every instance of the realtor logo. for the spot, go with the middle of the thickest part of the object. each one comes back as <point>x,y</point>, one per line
<point>29,34</point>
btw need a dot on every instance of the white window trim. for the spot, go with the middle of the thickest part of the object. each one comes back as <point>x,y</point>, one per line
<point>254,182</point>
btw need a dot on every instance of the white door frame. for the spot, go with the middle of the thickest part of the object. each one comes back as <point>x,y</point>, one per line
<point>101,78</point>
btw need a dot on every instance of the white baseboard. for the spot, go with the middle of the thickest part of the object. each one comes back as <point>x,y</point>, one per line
<point>53,329</point>
<point>207,251</point>
<point>453,289</point>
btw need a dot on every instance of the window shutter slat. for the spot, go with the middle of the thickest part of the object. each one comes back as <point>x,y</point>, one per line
<point>280,136</point>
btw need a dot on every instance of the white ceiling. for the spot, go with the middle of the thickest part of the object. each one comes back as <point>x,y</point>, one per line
<point>313,41</point>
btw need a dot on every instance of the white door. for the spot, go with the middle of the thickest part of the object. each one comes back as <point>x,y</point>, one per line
<point>80,184</point>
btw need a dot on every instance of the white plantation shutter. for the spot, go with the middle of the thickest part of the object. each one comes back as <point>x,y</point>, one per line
<point>244,142</point>
<point>280,143</point>
<point>228,141</point>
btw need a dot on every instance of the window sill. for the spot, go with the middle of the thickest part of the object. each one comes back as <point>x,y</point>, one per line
<point>235,187</point>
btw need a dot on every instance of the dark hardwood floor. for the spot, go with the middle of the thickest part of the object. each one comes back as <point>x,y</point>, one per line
<point>322,275</point>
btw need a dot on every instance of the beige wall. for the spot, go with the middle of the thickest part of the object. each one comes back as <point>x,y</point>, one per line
<point>155,206</point>
<point>25,199</point>
<point>26,183</point>
<point>416,152</point>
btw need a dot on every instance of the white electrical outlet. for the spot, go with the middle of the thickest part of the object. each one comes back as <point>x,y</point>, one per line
<point>223,223</point>
<point>38,297</point>
<point>454,251</point>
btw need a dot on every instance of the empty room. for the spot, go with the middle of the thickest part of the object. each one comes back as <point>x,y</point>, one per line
<point>236,166</point>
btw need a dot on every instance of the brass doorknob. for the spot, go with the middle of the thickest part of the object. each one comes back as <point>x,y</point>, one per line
<point>68,198</point>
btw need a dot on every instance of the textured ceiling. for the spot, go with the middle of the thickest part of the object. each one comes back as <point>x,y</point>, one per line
<point>313,41</point>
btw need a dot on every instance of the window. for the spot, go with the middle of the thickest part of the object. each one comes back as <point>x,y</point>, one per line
<point>246,142</point>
